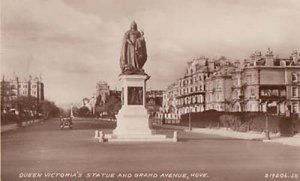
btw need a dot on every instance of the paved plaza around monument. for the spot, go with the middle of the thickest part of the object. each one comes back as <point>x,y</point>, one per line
<point>44,148</point>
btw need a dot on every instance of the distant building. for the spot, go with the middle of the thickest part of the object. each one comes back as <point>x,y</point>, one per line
<point>189,90</point>
<point>271,82</point>
<point>219,87</point>
<point>102,92</point>
<point>169,103</point>
<point>154,100</point>
<point>261,83</point>
<point>236,93</point>
<point>11,89</point>
<point>156,95</point>
<point>89,103</point>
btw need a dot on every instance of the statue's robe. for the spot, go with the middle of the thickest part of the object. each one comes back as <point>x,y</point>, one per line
<point>141,52</point>
<point>129,57</point>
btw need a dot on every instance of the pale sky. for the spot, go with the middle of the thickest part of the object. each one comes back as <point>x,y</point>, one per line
<point>75,43</point>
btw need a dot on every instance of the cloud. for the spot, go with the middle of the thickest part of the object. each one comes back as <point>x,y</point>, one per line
<point>48,18</point>
<point>76,43</point>
<point>54,39</point>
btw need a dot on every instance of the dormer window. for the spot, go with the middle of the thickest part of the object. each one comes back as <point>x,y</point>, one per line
<point>294,77</point>
<point>283,63</point>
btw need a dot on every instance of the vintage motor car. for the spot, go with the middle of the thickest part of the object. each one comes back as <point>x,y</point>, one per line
<point>66,122</point>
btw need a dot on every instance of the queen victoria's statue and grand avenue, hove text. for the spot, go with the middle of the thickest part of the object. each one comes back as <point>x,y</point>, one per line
<point>133,119</point>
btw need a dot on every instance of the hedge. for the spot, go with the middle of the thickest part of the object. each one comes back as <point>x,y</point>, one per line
<point>243,121</point>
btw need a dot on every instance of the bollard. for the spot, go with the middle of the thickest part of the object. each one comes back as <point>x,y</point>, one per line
<point>175,136</point>
<point>101,136</point>
<point>96,134</point>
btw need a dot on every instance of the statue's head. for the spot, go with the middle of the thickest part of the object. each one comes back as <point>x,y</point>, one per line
<point>142,32</point>
<point>133,26</point>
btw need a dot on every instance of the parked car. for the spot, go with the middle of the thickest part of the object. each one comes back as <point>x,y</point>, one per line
<point>66,122</point>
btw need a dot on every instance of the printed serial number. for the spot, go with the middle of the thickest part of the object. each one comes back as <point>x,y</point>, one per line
<point>282,175</point>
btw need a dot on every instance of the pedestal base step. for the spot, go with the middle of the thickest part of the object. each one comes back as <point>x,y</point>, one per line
<point>134,137</point>
<point>138,138</point>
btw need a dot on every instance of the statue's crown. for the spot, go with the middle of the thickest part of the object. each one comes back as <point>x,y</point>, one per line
<point>133,25</point>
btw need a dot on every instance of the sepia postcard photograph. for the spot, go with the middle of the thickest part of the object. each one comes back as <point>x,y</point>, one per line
<point>140,90</point>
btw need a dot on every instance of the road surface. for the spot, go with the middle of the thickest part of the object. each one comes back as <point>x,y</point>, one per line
<point>45,149</point>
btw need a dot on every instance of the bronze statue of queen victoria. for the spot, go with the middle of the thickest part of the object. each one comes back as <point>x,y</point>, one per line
<point>134,52</point>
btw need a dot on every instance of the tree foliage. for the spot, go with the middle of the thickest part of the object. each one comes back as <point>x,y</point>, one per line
<point>84,112</point>
<point>49,109</point>
<point>23,103</point>
<point>28,103</point>
<point>111,106</point>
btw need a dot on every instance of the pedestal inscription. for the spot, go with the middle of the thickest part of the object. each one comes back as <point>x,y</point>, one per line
<point>135,96</point>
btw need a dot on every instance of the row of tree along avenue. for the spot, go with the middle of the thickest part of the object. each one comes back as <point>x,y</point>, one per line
<point>25,108</point>
<point>23,99</point>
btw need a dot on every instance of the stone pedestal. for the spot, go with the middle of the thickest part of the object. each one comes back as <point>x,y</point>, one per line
<point>133,119</point>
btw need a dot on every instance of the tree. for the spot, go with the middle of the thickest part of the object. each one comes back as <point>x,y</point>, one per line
<point>75,110</point>
<point>112,105</point>
<point>49,109</point>
<point>26,103</point>
<point>84,112</point>
<point>226,105</point>
<point>99,106</point>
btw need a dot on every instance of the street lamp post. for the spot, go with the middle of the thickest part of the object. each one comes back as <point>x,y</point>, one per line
<point>71,112</point>
<point>267,123</point>
<point>190,121</point>
<point>267,127</point>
